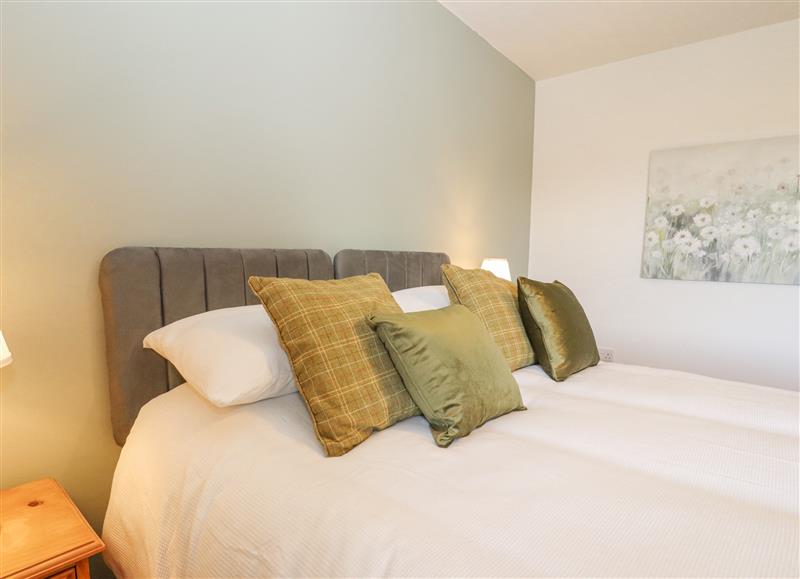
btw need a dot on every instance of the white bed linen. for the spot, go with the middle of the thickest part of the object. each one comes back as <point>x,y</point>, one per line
<point>619,471</point>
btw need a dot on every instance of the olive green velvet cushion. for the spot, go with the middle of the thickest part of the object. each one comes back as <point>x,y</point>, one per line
<point>557,327</point>
<point>451,367</point>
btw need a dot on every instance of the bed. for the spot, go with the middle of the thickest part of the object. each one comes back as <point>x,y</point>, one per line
<point>619,471</point>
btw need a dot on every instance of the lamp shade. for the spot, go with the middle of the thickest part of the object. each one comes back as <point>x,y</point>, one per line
<point>498,266</point>
<point>5,353</point>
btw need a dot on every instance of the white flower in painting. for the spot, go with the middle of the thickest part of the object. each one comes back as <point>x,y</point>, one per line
<point>709,233</point>
<point>790,244</point>
<point>771,218</point>
<point>790,221</point>
<point>707,202</point>
<point>651,238</point>
<point>691,247</point>
<point>668,245</point>
<point>746,247</point>
<point>676,210</point>
<point>731,212</point>
<point>782,188</point>
<point>660,222</point>
<point>702,219</point>
<point>725,229</point>
<point>778,207</point>
<point>753,214</point>
<point>656,254</point>
<point>739,189</point>
<point>775,232</point>
<point>742,228</point>
<point>682,237</point>
<point>697,251</point>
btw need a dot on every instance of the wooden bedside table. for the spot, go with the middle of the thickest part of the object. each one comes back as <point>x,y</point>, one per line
<point>43,534</point>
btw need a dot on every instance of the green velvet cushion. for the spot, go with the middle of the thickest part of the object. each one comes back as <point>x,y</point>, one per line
<point>557,327</point>
<point>451,367</point>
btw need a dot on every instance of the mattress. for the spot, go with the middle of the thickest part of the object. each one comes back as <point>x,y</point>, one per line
<point>619,471</point>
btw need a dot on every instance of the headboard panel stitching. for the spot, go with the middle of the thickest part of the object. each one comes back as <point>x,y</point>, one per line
<point>244,279</point>
<point>168,367</point>
<point>160,284</point>
<point>205,281</point>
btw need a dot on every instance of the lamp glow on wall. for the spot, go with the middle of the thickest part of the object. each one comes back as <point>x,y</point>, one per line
<point>5,353</point>
<point>498,266</point>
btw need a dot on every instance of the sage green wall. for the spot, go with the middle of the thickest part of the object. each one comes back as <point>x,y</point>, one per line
<point>371,125</point>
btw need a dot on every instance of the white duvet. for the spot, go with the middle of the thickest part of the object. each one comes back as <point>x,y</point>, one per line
<point>619,471</point>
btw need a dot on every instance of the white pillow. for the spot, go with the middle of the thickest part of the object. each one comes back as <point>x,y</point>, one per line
<point>420,299</point>
<point>230,356</point>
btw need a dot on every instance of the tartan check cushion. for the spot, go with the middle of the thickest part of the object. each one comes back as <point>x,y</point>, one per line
<point>494,301</point>
<point>345,374</point>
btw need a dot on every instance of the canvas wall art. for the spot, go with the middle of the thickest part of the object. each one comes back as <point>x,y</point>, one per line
<point>726,212</point>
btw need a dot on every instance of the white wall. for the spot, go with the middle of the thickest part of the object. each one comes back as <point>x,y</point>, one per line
<point>593,136</point>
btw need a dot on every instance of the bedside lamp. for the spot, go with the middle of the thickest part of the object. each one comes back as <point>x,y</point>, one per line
<point>498,266</point>
<point>5,353</point>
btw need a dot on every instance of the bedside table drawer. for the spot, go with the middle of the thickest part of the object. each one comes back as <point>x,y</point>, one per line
<point>70,573</point>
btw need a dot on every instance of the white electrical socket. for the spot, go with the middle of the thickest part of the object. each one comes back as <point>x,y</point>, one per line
<point>606,354</point>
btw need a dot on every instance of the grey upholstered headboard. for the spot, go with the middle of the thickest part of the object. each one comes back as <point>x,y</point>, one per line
<point>400,269</point>
<point>145,288</point>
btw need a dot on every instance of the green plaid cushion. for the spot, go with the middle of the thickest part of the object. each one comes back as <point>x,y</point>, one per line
<point>345,375</point>
<point>494,301</point>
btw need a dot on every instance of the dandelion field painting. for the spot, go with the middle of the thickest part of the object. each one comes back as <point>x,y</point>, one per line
<point>726,212</point>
